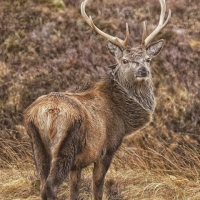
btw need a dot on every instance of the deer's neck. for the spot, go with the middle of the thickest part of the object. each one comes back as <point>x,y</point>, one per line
<point>135,105</point>
<point>140,93</point>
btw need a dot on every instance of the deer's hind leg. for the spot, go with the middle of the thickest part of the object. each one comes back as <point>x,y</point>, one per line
<point>63,160</point>
<point>40,154</point>
<point>75,181</point>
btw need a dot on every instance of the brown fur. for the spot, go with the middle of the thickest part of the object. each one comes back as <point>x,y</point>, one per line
<point>69,131</point>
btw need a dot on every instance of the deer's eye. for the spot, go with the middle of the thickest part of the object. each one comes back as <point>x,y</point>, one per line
<point>125,61</point>
<point>148,60</point>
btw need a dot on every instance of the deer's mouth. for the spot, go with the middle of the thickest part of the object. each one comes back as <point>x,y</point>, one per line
<point>141,78</point>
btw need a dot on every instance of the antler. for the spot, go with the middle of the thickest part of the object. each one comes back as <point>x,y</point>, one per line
<point>123,43</point>
<point>115,40</point>
<point>160,26</point>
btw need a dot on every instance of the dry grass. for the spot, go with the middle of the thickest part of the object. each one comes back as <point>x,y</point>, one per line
<point>134,174</point>
<point>122,183</point>
<point>14,151</point>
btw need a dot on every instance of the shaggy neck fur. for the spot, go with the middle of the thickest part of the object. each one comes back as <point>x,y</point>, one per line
<point>140,91</point>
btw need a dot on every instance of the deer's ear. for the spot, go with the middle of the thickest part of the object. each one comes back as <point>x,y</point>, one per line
<point>155,48</point>
<point>115,50</point>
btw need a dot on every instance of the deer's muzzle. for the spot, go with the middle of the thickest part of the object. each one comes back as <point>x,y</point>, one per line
<point>143,72</point>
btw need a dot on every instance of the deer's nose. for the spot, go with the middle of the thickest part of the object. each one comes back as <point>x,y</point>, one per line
<point>143,72</point>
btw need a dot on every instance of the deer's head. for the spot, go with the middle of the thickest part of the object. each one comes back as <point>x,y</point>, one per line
<point>133,63</point>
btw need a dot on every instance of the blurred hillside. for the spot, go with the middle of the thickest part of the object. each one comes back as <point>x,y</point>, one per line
<point>46,46</point>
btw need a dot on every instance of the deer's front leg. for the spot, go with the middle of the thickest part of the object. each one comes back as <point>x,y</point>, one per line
<point>99,172</point>
<point>74,179</point>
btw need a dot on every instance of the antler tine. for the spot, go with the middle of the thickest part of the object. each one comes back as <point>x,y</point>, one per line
<point>115,40</point>
<point>161,25</point>
<point>144,33</point>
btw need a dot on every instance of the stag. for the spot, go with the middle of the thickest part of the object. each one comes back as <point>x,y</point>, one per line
<point>70,131</point>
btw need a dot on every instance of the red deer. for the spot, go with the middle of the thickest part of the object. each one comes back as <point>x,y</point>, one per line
<point>70,131</point>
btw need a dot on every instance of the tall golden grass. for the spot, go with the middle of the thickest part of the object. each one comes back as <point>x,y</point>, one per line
<point>134,174</point>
